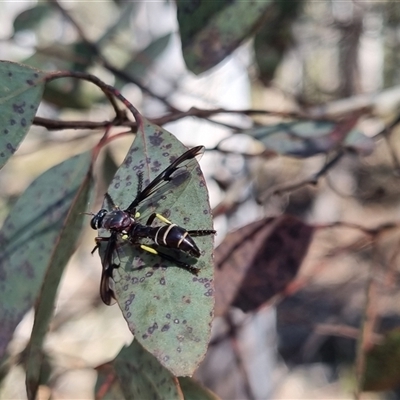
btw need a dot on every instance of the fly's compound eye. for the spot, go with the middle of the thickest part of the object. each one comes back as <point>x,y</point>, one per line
<point>97,220</point>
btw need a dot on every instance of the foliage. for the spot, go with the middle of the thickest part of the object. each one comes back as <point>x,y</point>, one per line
<point>292,157</point>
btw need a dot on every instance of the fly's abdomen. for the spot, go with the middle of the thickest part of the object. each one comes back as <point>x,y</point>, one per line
<point>175,237</point>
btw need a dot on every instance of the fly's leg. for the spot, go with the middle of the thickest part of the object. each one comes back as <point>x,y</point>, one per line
<point>202,232</point>
<point>153,216</point>
<point>167,257</point>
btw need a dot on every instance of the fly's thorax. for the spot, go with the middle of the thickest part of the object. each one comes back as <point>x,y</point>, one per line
<point>117,220</point>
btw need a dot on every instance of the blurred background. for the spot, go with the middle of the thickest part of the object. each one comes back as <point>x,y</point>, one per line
<point>305,98</point>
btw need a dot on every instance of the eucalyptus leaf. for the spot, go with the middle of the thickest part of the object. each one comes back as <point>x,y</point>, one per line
<point>21,90</point>
<point>167,308</point>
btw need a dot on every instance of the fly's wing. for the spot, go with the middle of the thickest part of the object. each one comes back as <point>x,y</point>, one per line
<point>168,185</point>
<point>107,258</point>
<point>111,259</point>
<point>106,292</point>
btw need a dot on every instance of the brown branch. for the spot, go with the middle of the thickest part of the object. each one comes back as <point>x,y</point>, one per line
<point>51,124</point>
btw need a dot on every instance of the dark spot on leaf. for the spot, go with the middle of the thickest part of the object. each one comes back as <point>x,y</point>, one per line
<point>165,154</point>
<point>205,212</point>
<point>5,131</point>
<point>209,293</point>
<point>2,154</point>
<point>135,280</point>
<point>176,321</point>
<point>202,184</point>
<point>36,75</point>
<point>129,301</point>
<point>149,274</point>
<point>29,82</point>
<point>128,315</point>
<point>189,329</point>
<point>142,279</point>
<point>156,139</point>
<point>194,279</point>
<point>145,336</point>
<point>184,322</point>
<point>12,121</point>
<point>125,288</point>
<point>178,349</point>
<point>19,108</point>
<point>11,148</point>
<point>27,270</point>
<point>162,281</point>
<point>166,358</point>
<point>23,121</point>
<point>168,316</point>
<point>165,328</point>
<point>10,74</point>
<point>156,167</point>
<point>186,219</point>
<point>207,285</point>
<point>151,329</point>
<point>117,185</point>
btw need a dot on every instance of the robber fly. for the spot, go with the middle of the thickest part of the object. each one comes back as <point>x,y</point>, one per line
<point>124,225</point>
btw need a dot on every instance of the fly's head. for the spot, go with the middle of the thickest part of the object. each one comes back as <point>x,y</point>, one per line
<point>97,220</point>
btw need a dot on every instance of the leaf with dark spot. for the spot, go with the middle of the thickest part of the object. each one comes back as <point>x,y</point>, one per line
<point>258,261</point>
<point>135,374</point>
<point>21,90</point>
<point>37,239</point>
<point>211,30</point>
<point>169,294</point>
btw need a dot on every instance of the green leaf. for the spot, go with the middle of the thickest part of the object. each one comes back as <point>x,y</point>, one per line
<point>32,17</point>
<point>135,374</point>
<point>64,93</point>
<point>144,59</point>
<point>382,366</point>
<point>141,376</point>
<point>275,38</point>
<point>211,30</point>
<point>73,225</point>
<point>308,138</point>
<point>193,390</point>
<point>127,9</point>
<point>35,236</point>
<point>21,90</point>
<point>167,308</point>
